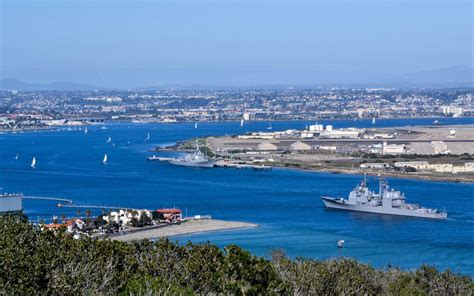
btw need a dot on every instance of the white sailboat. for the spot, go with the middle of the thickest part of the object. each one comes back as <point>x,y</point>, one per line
<point>241,123</point>
<point>270,126</point>
<point>109,140</point>
<point>196,125</point>
<point>147,137</point>
<point>85,131</point>
<point>104,161</point>
<point>373,120</point>
<point>33,163</point>
<point>17,156</point>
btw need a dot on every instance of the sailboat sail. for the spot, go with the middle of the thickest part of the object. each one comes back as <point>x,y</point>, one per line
<point>373,120</point>
<point>33,162</point>
<point>109,140</point>
<point>105,159</point>
<point>241,122</point>
<point>196,125</point>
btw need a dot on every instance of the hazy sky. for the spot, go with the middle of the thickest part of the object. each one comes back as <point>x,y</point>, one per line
<point>68,40</point>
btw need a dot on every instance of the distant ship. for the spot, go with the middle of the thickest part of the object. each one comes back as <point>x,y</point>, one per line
<point>196,159</point>
<point>387,201</point>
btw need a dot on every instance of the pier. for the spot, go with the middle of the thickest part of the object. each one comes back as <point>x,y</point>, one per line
<point>69,203</point>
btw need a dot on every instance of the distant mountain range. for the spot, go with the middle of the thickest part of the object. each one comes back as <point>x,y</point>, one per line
<point>456,76</point>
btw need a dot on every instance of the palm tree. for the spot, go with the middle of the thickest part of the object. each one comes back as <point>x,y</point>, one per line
<point>88,215</point>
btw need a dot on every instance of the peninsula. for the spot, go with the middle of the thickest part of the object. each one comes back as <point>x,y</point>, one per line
<point>185,227</point>
<point>426,152</point>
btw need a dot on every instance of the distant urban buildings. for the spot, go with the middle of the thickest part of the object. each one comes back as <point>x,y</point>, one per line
<point>23,109</point>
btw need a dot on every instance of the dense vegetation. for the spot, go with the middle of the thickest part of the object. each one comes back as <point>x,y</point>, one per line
<point>35,262</point>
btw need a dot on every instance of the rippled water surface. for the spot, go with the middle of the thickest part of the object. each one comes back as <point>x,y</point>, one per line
<point>285,203</point>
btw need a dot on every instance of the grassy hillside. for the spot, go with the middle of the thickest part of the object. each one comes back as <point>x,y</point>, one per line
<point>35,262</point>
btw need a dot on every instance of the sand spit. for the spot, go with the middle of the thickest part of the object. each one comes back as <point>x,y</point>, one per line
<point>187,227</point>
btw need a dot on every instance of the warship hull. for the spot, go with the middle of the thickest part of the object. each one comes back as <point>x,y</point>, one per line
<point>339,204</point>
<point>205,164</point>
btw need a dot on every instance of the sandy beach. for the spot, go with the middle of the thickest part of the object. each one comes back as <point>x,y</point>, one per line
<point>188,227</point>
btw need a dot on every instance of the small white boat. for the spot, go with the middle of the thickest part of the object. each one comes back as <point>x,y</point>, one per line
<point>104,161</point>
<point>33,163</point>
<point>17,156</point>
<point>147,137</point>
<point>241,123</point>
<point>196,125</point>
<point>103,127</point>
<point>340,244</point>
<point>269,126</point>
<point>109,140</point>
<point>373,120</point>
<point>85,131</point>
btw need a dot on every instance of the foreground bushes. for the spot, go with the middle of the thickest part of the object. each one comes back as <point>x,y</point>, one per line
<point>34,262</point>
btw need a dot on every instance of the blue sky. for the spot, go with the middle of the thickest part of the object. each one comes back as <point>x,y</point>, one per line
<point>100,41</point>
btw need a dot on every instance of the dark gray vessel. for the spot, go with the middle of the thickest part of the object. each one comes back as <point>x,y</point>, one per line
<point>387,201</point>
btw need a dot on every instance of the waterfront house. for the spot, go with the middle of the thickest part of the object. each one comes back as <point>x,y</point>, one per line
<point>170,215</point>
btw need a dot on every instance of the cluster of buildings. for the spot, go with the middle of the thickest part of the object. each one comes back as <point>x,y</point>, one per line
<point>115,221</point>
<point>468,167</point>
<point>177,105</point>
<point>414,166</point>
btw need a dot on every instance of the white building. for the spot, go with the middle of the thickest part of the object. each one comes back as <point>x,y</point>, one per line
<point>374,165</point>
<point>393,148</point>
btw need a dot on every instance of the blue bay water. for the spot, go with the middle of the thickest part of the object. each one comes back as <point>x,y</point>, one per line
<point>285,203</point>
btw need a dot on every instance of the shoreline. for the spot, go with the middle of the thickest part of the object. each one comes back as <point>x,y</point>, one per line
<point>375,173</point>
<point>184,228</point>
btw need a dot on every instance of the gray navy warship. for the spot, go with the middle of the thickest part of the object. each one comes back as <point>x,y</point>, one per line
<point>196,159</point>
<point>387,201</point>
